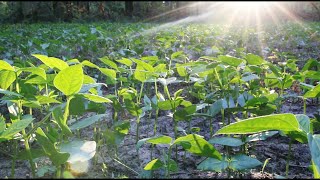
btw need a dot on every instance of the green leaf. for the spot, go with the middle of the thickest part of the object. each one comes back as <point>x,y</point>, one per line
<point>96,98</point>
<point>87,121</point>
<point>260,136</point>
<point>160,140</point>
<point>109,62</point>
<point>314,92</point>
<point>254,59</point>
<point>5,66</point>
<point>304,123</point>
<point>154,165</point>
<point>314,145</point>
<point>173,166</point>
<point>242,162</point>
<point>109,72</point>
<point>282,122</point>
<point>233,61</point>
<point>77,106</point>
<point>56,157</point>
<point>69,81</point>
<point>144,65</point>
<point>80,151</point>
<point>212,164</point>
<point>195,144</point>
<point>133,109</point>
<point>177,54</point>
<point>228,141</point>
<point>154,140</point>
<point>165,105</point>
<point>23,155</point>
<point>125,61</point>
<point>6,78</point>
<point>46,99</point>
<point>250,77</point>
<point>89,64</point>
<point>184,114</point>
<point>35,70</point>
<point>52,62</point>
<point>16,127</point>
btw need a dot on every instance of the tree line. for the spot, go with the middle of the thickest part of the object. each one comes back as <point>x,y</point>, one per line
<point>70,11</point>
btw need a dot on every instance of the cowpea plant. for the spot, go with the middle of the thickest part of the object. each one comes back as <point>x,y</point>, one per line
<point>289,123</point>
<point>192,143</point>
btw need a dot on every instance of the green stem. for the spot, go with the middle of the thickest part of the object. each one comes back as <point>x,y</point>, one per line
<point>304,106</point>
<point>168,160</point>
<point>137,133</point>
<point>288,158</point>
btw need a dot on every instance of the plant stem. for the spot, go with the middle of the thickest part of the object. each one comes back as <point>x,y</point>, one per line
<point>168,160</point>
<point>304,106</point>
<point>288,158</point>
<point>137,133</point>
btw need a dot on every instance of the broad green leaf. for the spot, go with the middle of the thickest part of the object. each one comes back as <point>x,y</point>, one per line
<point>242,162</point>
<point>109,72</point>
<point>160,140</point>
<point>304,123</point>
<point>195,144</point>
<point>56,157</point>
<point>6,78</point>
<point>96,98</point>
<point>314,146</point>
<point>154,140</point>
<point>177,54</point>
<point>165,105</point>
<point>173,166</point>
<point>250,77</point>
<point>233,61</point>
<point>153,165</point>
<point>145,66</point>
<point>23,155</point>
<point>228,141</point>
<point>79,150</point>
<point>125,61</point>
<point>16,127</point>
<point>77,106</point>
<point>109,62</point>
<point>314,92</point>
<point>216,107</point>
<point>168,81</point>
<point>133,109</point>
<point>281,122</point>
<point>212,164</point>
<point>46,100</point>
<point>88,80</point>
<point>5,66</point>
<point>254,59</point>
<point>89,64</point>
<point>69,81</point>
<point>86,121</point>
<point>52,62</point>
<point>260,136</point>
<point>184,114</point>
<point>35,70</point>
